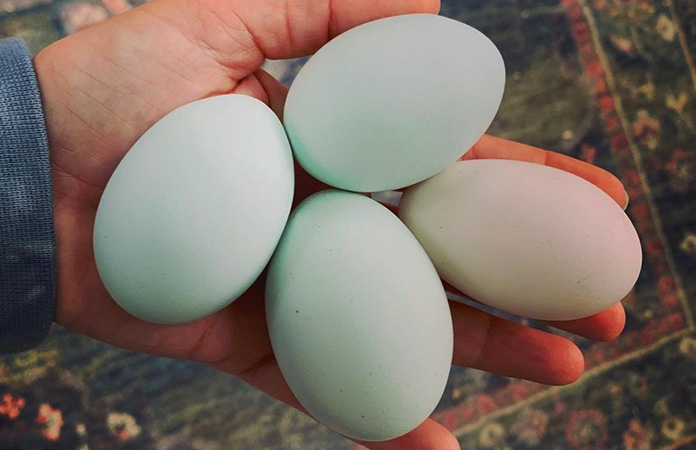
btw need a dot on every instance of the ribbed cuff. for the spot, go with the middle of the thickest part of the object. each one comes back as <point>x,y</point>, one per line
<point>27,237</point>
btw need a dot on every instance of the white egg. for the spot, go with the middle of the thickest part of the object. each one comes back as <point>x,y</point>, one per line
<point>393,102</point>
<point>525,238</point>
<point>193,212</point>
<point>358,317</point>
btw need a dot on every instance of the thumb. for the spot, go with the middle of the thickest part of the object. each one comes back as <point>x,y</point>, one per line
<point>104,86</point>
<point>279,29</point>
<point>266,88</point>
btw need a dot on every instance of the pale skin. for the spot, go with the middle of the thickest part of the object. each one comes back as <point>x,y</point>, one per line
<point>104,87</point>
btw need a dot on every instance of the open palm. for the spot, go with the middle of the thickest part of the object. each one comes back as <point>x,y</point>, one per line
<point>104,87</point>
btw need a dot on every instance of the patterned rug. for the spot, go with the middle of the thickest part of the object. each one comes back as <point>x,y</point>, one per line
<point>612,82</point>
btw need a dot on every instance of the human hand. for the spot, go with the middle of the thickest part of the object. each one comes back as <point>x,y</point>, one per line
<point>104,87</point>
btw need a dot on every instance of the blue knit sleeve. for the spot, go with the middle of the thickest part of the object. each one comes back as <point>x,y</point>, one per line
<point>27,242</point>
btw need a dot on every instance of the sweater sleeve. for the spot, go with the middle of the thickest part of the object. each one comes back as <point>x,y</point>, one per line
<point>27,241</point>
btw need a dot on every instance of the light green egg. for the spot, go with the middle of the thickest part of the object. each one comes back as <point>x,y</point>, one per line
<point>358,317</point>
<point>194,211</point>
<point>393,102</point>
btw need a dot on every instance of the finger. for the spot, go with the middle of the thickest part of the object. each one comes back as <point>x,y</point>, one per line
<point>275,91</point>
<point>241,34</point>
<point>483,341</point>
<point>306,25</point>
<point>430,435</point>
<point>489,147</point>
<point>604,326</point>
<point>601,178</point>
<point>252,87</point>
<point>264,87</point>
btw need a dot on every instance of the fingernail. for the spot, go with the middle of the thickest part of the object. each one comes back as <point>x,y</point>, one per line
<point>625,201</point>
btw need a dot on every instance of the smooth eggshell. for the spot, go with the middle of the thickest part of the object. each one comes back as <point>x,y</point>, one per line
<point>525,238</point>
<point>358,317</point>
<point>194,210</point>
<point>393,102</point>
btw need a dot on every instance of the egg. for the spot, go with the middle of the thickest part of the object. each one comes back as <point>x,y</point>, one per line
<point>525,238</point>
<point>392,102</point>
<point>358,317</point>
<point>194,211</point>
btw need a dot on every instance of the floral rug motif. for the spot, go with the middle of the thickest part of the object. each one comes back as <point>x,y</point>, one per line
<point>612,82</point>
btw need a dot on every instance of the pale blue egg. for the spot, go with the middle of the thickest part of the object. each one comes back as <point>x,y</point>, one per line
<point>393,102</point>
<point>358,317</point>
<point>195,209</point>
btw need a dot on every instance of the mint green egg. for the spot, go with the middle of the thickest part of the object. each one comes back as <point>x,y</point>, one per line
<point>195,209</point>
<point>358,317</point>
<point>393,102</point>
